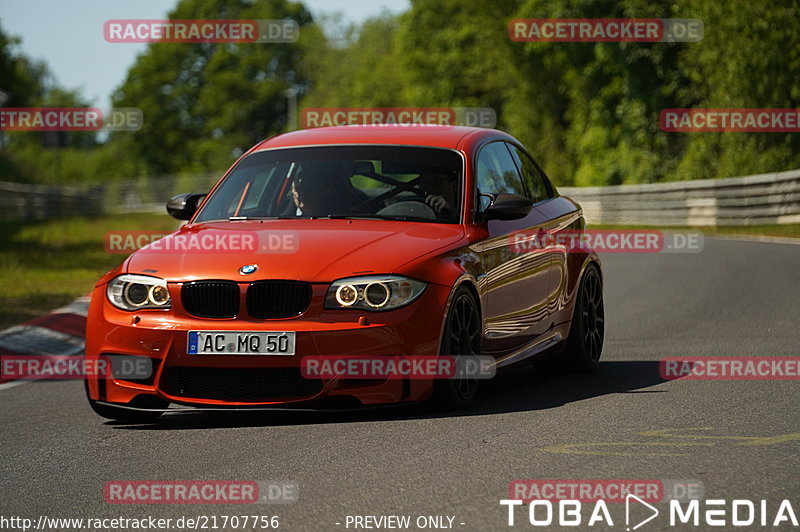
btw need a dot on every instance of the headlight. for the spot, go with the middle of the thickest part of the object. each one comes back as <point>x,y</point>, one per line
<point>374,292</point>
<point>135,292</point>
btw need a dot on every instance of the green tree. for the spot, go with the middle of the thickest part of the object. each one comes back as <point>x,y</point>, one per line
<point>205,103</point>
<point>25,157</point>
<point>21,78</point>
<point>458,53</point>
<point>361,67</point>
<point>750,57</point>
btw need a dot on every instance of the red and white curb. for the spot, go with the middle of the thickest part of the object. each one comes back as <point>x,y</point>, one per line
<point>61,333</point>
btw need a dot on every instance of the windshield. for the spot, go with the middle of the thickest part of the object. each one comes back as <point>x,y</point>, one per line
<point>381,182</point>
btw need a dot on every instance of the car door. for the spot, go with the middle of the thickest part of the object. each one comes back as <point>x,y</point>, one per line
<point>515,279</point>
<point>561,217</point>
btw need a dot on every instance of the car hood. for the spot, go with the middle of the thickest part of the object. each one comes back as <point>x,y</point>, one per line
<point>311,250</point>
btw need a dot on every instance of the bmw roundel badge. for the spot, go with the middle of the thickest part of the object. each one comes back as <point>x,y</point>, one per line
<point>247,269</point>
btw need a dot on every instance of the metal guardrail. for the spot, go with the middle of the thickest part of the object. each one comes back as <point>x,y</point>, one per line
<point>19,201</point>
<point>751,200</point>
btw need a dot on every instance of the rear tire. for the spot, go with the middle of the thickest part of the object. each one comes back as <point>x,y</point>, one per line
<point>121,414</point>
<point>585,342</point>
<point>462,338</point>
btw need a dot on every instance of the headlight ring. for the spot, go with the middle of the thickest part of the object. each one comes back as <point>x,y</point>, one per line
<point>373,292</point>
<point>132,292</point>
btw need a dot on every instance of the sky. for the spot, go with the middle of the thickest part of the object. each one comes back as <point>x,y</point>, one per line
<point>67,35</point>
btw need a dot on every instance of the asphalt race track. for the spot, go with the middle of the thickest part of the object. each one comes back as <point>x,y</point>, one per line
<point>741,439</point>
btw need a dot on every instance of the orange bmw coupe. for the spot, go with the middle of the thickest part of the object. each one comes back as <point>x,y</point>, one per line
<point>376,242</point>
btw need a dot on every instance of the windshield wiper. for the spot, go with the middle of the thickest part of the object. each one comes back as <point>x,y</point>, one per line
<point>345,216</point>
<point>380,217</point>
<point>244,218</point>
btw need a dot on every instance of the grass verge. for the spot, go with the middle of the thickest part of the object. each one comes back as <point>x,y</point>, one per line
<point>47,264</point>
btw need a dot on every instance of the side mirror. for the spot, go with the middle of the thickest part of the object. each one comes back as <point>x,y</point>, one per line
<point>183,206</point>
<point>507,207</point>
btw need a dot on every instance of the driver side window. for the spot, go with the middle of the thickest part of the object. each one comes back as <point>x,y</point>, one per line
<point>538,186</point>
<point>497,173</point>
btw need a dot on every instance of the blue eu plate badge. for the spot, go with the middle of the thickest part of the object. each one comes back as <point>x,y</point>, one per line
<point>193,338</point>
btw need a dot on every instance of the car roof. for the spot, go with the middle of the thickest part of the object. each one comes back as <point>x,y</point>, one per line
<point>441,136</point>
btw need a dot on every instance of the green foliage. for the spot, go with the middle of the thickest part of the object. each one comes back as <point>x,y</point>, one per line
<point>204,104</point>
<point>614,92</point>
<point>362,71</point>
<point>24,157</point>
<point>22,79</point>
<point>750,58</point>
<point>588,111</point>
<point>440,42</point>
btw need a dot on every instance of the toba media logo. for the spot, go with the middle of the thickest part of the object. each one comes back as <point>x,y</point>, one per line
<point>711,512</point>
<point>589,503</point>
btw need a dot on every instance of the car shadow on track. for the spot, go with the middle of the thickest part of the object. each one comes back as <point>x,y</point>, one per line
<point>522,390</point>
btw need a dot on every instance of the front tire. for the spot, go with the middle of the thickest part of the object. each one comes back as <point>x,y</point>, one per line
<point>585,342</point>
<point>462,338</point>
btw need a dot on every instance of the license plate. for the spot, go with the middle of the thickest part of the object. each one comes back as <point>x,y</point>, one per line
<point>240,343</point>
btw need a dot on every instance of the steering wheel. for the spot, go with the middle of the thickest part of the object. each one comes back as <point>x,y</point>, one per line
<point>398,190</point>
<point>415,207</point>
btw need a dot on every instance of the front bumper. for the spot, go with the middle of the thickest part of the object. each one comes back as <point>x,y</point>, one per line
<point>220,381</point>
